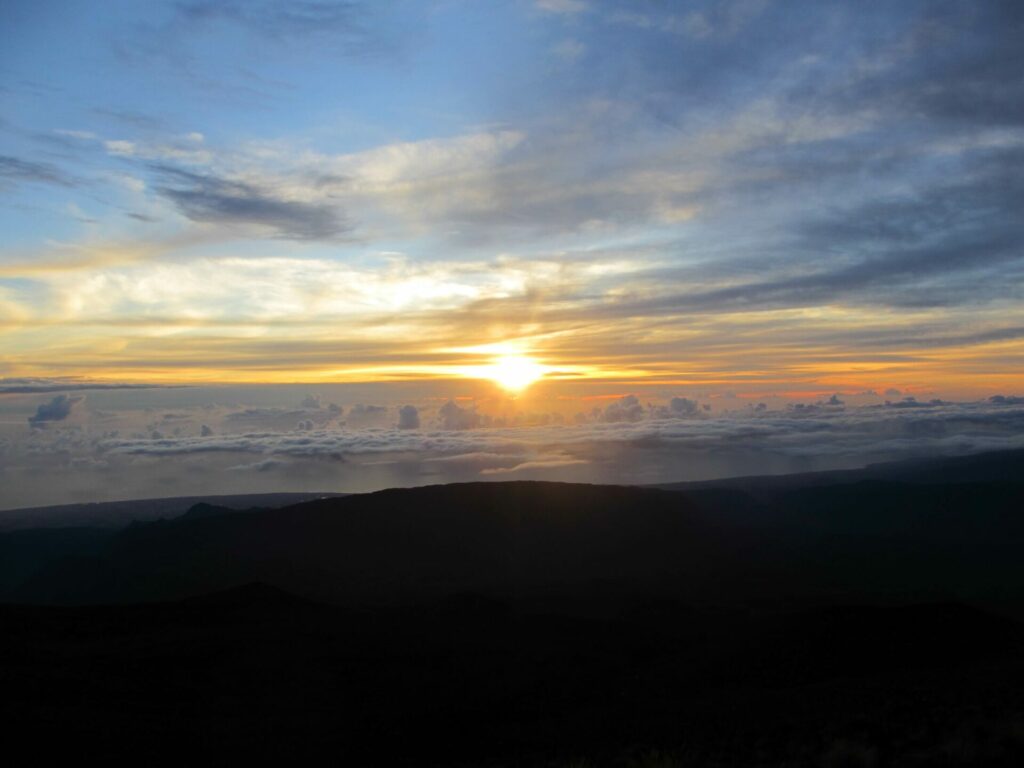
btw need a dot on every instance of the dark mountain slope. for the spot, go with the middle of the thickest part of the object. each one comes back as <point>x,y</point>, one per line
<point>537,624</point>
<point>24,553</point>
<point>410,544</point>
<point>989,467</point>
<point>117,514</point>
<point>868,541</point>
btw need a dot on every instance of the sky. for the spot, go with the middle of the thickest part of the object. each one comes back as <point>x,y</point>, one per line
<point>759,211</point>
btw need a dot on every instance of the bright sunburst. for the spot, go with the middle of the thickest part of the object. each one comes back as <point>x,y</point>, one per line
<point>515,372</point>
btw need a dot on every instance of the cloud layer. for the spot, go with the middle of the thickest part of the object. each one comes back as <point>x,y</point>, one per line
<point>77,450</point>
<point>906,427</point>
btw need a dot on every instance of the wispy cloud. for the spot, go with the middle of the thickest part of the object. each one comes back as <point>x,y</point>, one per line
<point>22,386</point>
<point>13,169</point>
<point>561,7</point>
<point>210,199</point>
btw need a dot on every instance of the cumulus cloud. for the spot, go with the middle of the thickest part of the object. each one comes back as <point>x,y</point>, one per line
<point>360,415</point>
<point>677,407</point>
<point>913,402</point>
<point>408,417</point>
<point>278,418</point>
<point>682,406</point>
<point>1006,400</point>
<point>312,402</point>
<point>451,416</point>
<point>626,408</point>
<point>834,403</point>
<point>57,409</point>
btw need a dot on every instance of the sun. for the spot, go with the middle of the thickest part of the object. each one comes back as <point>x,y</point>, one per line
<point>515,372</point>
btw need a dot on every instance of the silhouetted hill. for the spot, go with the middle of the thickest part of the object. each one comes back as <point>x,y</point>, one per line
<point>24,553</point>
<point>117,514</point>
<point>863,620</point>
<point>990,467</point>
<point>865,541</point>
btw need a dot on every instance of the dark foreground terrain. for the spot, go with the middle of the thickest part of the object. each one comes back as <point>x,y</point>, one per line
<point>850,620</point>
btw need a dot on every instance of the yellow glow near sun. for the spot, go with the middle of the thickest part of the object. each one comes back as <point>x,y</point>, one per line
<point>514,372</point>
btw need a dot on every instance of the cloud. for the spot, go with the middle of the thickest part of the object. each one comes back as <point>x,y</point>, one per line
<point>627,408</point>
<point>279,418</point>
<point>408,417</point>
<point>74,134</point>
<point>683,406</point>
<point>561,7</point>
<point>189,150</point>
<point>1006,400</point>
<point>748,441</point>
<point>452,416</point>
<point>543,462</point>
<point>341,22</point>
<point>250,32</point>
<point>57,409</point>
<point>21,386</point>
<point>266,465</point>
<point>677,407</point>
<point>14,169</point>
<point>958,64</point>
<point>569,49</point>
<point>913,402</point>
<point>360,415</point>
<point>207,198</point>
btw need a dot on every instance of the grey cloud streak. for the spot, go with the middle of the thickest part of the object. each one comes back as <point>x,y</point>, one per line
<point>22,386</point>
<point>341,22</point>
<point>13,169</point>
<point>211,199</point>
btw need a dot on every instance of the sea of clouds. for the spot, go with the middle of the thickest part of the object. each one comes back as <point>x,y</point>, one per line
<point>66,450</point>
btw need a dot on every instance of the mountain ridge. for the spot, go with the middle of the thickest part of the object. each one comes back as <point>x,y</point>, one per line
<point>867,540</point>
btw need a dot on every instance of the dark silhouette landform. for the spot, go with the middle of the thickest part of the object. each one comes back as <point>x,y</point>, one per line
<point>856,619</point>
<point>117,514</point>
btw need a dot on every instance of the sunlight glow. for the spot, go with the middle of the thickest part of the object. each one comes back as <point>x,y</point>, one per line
<point>514,372</point>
